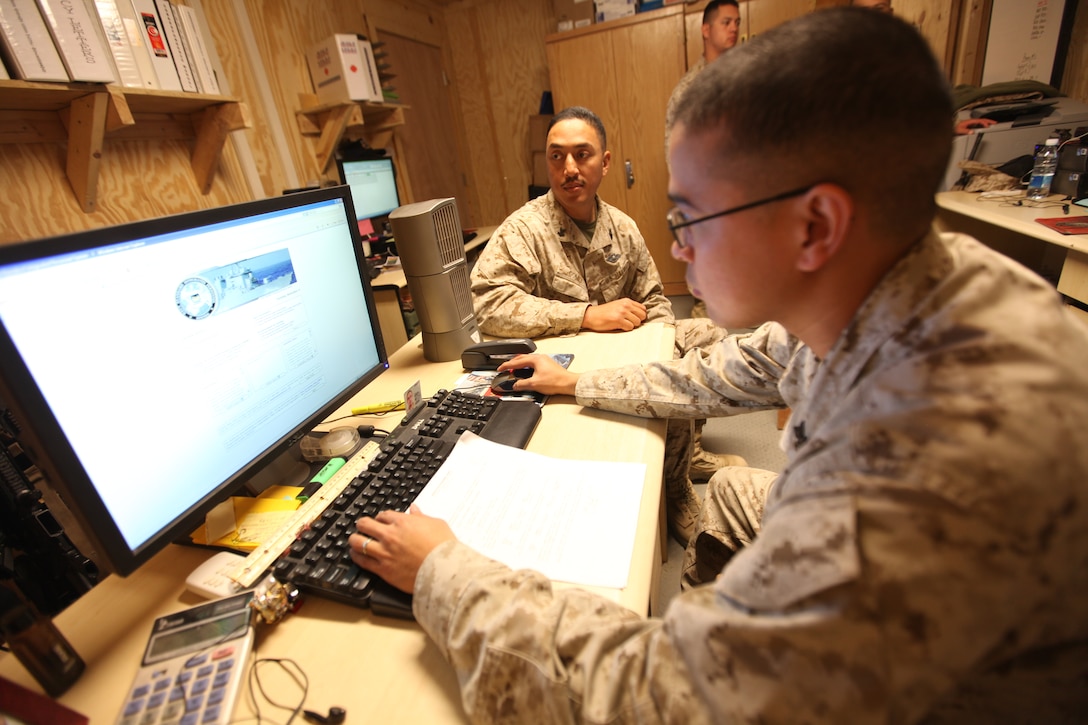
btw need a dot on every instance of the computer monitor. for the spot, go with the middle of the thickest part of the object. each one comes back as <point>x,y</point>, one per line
<point>373,184</point>
<point>155,367</point>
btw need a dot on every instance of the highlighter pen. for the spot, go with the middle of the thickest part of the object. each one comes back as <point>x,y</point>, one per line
<point>326,472</point>
<point>378,407</point>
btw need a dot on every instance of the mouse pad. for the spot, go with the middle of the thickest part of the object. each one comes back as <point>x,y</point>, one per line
<point>478,382</point>
<point>1066,225</point>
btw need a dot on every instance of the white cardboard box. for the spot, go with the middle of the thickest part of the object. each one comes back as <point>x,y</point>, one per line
<point>339,72</point>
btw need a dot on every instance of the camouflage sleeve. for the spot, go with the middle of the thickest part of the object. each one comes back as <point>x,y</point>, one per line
<point>739,374</point>
<point>526,653</point>
<point>848,607</point>
<point>504,281</point>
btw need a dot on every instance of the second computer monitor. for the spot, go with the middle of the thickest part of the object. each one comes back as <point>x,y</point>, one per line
<point>373,184</point>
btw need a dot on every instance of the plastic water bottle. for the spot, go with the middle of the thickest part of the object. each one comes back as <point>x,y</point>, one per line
<point>1042,174</point>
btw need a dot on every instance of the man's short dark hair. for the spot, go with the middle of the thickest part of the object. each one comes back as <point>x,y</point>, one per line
<point>582,114</point>
<point>843,95</point>
<point>711,10</point>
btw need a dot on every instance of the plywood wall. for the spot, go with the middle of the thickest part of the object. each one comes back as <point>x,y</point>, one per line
<point>496,67</point>
<point>138,180</point>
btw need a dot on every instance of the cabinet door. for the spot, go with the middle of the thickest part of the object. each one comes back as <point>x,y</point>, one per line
<point>649,61</point>
<point>624,72</point>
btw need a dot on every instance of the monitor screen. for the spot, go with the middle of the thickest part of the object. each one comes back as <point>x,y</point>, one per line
<point>160,364</point>
<point>373,184</point>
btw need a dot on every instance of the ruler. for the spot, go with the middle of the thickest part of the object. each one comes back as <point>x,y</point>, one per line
<point>246,572</point>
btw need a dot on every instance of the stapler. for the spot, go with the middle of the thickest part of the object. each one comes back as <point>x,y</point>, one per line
<point>489,355</point>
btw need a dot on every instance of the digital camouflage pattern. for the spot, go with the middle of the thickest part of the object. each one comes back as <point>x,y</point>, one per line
<point>524,284</point>
<point>923,557</point>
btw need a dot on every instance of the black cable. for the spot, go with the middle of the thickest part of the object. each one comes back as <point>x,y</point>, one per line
<point>297,674</point>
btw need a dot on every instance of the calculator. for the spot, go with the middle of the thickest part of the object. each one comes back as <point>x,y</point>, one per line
<point>192,668</point>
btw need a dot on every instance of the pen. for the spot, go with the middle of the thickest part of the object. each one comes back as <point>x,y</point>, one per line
<point>326,472</point>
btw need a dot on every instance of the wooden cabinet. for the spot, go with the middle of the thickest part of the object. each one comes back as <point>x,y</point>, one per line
<point>625,71</point>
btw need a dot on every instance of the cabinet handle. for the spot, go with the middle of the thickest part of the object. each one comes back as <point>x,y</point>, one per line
<point>630,173</point>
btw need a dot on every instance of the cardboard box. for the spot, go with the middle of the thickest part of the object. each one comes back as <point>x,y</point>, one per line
<point>540,168</point>
<point>339,71</point>
<point>572,14</point>
<point>614,9</point>
<point>538,132</point>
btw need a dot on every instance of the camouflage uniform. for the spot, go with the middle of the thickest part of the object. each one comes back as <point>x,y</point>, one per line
<point>922,557</point>
<point>526,285</point>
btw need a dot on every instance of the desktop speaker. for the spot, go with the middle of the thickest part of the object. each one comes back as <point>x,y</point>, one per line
<point>431,248</point>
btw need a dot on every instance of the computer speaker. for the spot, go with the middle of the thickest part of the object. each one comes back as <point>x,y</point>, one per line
<point>431,248</point>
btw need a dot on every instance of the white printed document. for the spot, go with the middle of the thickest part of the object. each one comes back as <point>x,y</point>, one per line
<point>573,521</point>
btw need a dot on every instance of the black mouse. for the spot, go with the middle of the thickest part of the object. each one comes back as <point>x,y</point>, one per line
<point>503,383</point>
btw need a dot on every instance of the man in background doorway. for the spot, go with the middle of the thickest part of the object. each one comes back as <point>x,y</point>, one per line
<point>721,29</point>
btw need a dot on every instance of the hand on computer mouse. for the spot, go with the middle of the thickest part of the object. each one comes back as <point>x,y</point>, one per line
<point>503,383</point>
<point>548,376</point>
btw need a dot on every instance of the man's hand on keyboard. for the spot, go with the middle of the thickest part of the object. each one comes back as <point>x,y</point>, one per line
<point>549,377</point>
<point>393,545</point>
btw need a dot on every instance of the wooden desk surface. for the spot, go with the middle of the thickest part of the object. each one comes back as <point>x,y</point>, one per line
<point>379,670</point>
<point>1019,219</point>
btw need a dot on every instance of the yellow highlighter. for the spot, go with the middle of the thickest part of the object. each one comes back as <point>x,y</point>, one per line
<point>378,407</point>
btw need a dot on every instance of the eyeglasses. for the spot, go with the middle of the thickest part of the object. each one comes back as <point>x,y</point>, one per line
<point>677,221</point>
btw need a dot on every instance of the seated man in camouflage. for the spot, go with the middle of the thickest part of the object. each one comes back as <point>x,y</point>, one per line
<point>567,261</point>
<point>923,556</point>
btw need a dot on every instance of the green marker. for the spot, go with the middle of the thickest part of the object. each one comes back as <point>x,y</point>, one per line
<point>327,471</point>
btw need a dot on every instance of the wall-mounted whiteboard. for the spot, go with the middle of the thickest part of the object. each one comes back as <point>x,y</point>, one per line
<point>1023,40</point>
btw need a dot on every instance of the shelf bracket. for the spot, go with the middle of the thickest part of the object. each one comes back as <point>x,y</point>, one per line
<point>330,122</point>
<point>212,126</point>
<point>332,130</point>
<point>86,131</point>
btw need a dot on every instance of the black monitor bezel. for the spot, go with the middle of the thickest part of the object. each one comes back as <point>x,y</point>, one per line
<point>41,435</point>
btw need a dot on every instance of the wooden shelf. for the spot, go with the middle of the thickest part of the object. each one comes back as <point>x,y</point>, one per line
<point>330,121</point>
<point>85,114</point>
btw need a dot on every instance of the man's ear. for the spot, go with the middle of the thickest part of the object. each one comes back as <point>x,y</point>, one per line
<point>606,161</point>
<point>829,212</point>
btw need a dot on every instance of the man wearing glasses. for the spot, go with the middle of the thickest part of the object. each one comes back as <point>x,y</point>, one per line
<point>923,557</point>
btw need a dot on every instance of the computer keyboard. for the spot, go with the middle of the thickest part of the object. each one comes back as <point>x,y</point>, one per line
<point>318,560</point>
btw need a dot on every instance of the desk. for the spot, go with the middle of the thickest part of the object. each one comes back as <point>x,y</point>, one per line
<point>1013,230</point>
<point>388,285</point>
<point>379,670</point>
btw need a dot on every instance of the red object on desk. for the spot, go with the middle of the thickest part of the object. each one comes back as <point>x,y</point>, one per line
<point>1066,224</point>
<point>34,708</point>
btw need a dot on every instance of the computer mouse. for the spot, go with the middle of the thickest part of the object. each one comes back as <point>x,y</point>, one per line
<point>503,383</point>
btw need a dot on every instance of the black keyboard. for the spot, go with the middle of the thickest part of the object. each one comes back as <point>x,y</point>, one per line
<point>318,560</point>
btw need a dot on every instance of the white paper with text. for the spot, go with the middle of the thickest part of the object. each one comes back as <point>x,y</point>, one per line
<point>573,521</point>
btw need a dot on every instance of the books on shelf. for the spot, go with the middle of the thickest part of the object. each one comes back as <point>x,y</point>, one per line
<point>153,44</point>
<point>200,47</point>
<point>157,50</point>
<point>28,49</point>
<point>172,34</point>
<point>136,38</point>
<point>117,40</point>
<point>374,82</point>
<point>76,37</point>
